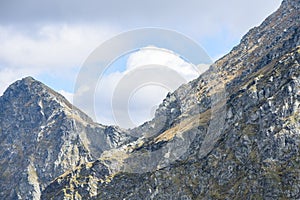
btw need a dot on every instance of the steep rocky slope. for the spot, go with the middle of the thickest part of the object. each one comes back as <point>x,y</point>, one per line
<point>42,136</point>
<point>233,133</point>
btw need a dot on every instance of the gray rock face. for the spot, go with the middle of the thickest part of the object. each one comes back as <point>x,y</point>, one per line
<point>42,136</point>
<point>233,133</point>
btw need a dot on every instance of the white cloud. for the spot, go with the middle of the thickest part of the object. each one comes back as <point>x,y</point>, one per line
<point>152,55</point>
<point>52,46</point>
<point>51,49</point>
<point>142,97</point>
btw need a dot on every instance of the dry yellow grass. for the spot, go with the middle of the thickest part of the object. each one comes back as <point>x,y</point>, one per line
<point>183,126</point>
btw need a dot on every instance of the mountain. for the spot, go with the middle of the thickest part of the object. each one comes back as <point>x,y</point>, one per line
<point>233,133</point>
<point>42,136</point>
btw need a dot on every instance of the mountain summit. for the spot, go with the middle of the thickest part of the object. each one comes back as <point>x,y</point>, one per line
<point>233,133</point>
<point>42,136</point>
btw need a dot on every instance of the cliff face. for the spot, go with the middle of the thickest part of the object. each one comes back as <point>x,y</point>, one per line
<point>42,136</point>
<point>233,133</point>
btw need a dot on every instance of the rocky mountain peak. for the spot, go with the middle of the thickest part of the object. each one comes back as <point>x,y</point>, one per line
<point>42,136</point>
<point>29,88</point>
<point>26,85</point>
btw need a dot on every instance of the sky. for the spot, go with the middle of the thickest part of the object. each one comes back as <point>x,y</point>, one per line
<point>51,40</point>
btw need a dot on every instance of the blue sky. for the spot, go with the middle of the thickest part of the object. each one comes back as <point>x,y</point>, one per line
<point>51,40</point>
